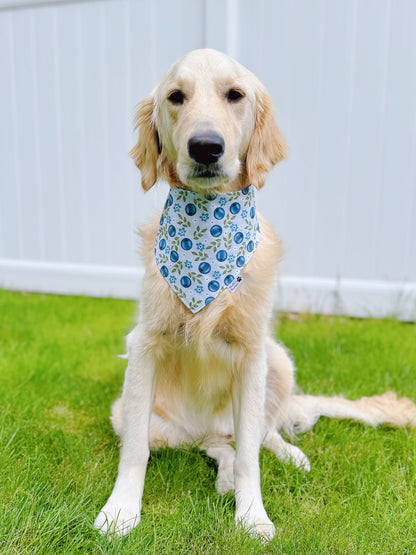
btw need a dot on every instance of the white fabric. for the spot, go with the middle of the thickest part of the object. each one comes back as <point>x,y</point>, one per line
<point>203,242</point>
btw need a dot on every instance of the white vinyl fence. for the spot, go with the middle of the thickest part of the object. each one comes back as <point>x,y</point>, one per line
<point>343,77</point>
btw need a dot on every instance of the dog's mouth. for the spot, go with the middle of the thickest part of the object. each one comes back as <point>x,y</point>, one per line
<point>203,178</point>
<point>206,173</point>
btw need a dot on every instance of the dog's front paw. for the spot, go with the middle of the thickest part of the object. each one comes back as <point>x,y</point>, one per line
<point>257,525</point>
<point>117,518</point>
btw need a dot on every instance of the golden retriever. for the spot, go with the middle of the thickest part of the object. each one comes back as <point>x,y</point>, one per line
<point>214,376</point>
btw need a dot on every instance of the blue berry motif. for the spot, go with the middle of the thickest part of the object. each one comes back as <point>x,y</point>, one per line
<point>186,282</point>
<point>186,244</point>
<point>204,242</point>
<point>216,230</point>
<point>213,285</point>
<point>169,201</point>
<point>219,213</point>
<point>190,209</point>
<point>204,267</point>
<point>238,238</point>
<point>235,208</point>
<point>228,279</point>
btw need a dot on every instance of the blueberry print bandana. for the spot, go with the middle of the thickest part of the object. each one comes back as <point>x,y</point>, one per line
<point>203,242</point>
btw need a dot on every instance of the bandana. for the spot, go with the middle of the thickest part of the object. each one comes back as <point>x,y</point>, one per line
<point>203,243</point>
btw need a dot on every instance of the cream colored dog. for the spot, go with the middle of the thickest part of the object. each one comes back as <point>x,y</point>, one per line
<point>216,376</point>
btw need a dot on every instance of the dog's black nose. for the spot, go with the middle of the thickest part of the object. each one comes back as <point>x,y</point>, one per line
<point>206,148</point>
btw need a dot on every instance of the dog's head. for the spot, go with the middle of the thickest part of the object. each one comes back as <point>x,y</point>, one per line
<point>208,125</point>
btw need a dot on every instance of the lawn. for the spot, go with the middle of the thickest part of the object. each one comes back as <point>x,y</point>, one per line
<point>59,374</point>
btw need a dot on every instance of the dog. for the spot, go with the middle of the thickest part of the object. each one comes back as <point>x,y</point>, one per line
<point>202,366</point>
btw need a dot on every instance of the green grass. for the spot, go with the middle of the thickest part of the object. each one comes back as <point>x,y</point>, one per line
<point>58,455</point>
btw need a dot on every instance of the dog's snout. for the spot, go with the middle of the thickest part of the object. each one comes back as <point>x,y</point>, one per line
<point>206,148</point>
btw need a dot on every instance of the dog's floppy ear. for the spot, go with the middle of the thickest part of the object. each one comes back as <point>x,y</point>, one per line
<point>147,149</point>
<point>267,145</point>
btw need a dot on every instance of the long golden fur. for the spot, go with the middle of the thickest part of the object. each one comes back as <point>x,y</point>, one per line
<point>217,375</point>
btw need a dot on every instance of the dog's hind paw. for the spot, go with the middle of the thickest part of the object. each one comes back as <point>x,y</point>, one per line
<point>298,458</point>
<point>117,521</point>
<point>287,452</point>
<point>224,482</point>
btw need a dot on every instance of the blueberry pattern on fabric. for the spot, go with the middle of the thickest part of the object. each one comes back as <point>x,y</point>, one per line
<point>204,242</point>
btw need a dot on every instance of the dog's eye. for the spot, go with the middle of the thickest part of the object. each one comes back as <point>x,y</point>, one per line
<point>234,95</point>
<point>176,97</point>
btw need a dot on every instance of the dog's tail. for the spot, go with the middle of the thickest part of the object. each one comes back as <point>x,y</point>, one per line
<point>303,411</point>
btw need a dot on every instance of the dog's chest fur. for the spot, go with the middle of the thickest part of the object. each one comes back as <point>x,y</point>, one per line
<point>195,386</point>
<point>198,356</point>
<point>197,368</point>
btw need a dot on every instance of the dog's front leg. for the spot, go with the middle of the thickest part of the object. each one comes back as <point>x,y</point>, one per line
<point>248,408</point>
<point>121,513</point>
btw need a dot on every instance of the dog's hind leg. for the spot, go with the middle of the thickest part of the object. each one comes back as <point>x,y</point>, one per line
<point>224,455</point>
<point>286,452</point>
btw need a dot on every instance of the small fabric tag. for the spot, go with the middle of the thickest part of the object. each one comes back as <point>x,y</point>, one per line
<point>235,284</point>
